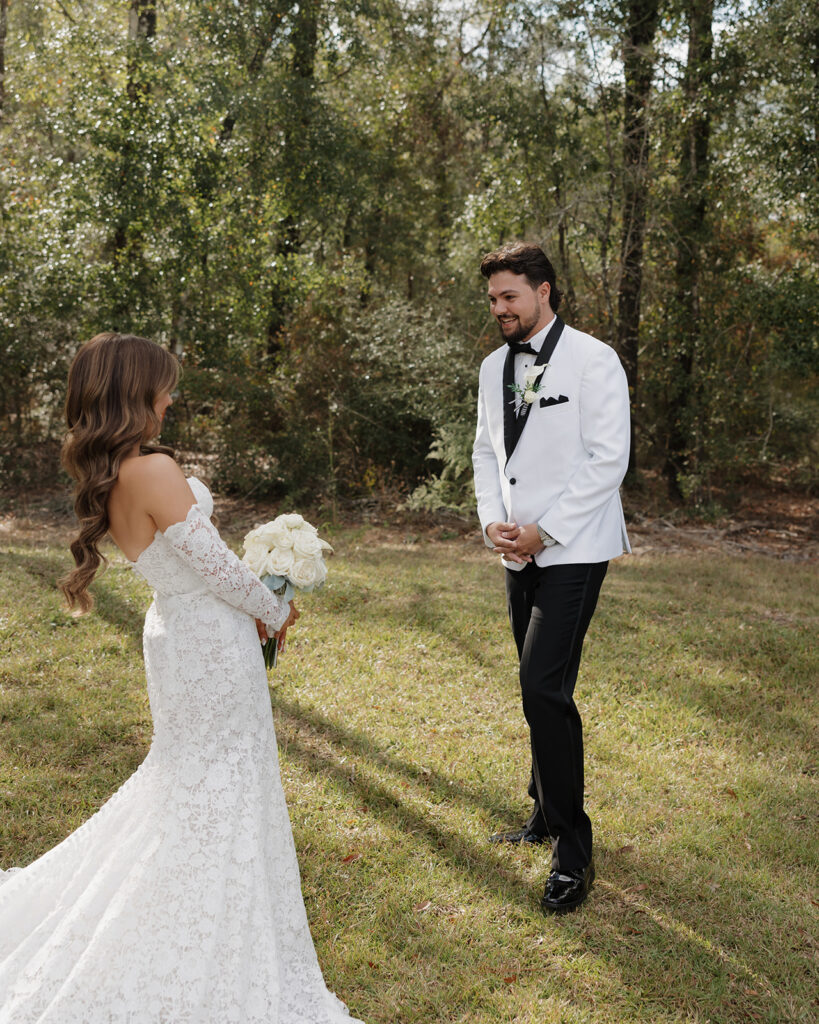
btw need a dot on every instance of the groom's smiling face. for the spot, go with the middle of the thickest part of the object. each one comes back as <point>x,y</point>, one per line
<point>519,309</point>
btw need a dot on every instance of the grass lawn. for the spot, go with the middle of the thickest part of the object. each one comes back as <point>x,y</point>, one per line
<point>403,745</point>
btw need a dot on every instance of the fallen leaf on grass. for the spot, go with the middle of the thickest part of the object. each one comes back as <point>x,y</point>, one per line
<point>730,792</point>
<point>639,888</point>
<point>628,848</point>
<point>350,858</point>
<point>419,908</point>
<point>511,978</point>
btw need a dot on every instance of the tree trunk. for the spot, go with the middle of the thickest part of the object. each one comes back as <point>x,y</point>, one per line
<point>814,65</point>
<point>297,137</point>
<point>549,133</point>
<point>141,28</point>
<point>265,35</point>
<point>638,67</point>
<point>566,280</point>
<point>3,29</point>
<point>690,230</point>
<point>125,243</point>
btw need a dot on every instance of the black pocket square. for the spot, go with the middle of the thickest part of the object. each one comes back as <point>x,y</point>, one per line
<point>553,401</point>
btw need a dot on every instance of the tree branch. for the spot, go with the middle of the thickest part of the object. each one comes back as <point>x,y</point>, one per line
<point>66,12</point>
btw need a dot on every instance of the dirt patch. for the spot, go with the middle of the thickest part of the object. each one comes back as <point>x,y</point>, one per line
<point>773,525</point>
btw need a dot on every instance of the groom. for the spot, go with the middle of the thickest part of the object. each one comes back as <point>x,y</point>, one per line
<point>550,452</point>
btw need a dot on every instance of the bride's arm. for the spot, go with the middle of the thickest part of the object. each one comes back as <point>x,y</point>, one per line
<point>171,504</point>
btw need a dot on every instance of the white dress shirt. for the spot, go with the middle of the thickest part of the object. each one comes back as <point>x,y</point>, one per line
<point>526,359</point>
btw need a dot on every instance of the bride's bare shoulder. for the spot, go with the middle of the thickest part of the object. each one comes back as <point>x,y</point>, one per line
<point>156,485</point>
<point>151,481</point>
<point>149,470</point>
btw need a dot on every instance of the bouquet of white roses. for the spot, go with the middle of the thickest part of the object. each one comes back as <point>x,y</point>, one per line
<point>287,554</point>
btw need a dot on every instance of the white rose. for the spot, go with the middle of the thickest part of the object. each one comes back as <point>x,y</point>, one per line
<point>279,562</point>
<point>255,556</point>
<point>303,573</point>
<point>529,396</point>
<point>262,534</point>
<point>292,520</point>
<point>279,535</point>
<point>321,572</point>
<point>306,544</point>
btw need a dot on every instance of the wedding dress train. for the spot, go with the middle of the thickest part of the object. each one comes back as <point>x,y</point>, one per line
<point>180,901</point>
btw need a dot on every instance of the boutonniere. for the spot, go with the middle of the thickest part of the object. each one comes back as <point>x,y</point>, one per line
<point>532,381</point>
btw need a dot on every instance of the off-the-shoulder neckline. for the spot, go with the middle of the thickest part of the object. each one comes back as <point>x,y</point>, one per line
<point>161,533</point>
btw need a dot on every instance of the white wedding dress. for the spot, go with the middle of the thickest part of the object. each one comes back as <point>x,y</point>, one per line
<point>179,902</point>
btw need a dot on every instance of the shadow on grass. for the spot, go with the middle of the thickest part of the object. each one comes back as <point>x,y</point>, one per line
<point>46,569</point>
<point>119,613</point>
<point>640,922</point>
<point>756,674</point>
<point>362,745</point>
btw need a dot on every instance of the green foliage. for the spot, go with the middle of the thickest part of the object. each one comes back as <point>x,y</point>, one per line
<point>295,197</point>
<point>451,488</point>
<point>349,404</point>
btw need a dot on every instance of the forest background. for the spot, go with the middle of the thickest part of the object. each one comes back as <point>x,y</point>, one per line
<point>294,198</point>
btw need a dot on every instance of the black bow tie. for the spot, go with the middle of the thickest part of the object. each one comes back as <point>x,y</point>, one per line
<point>524,349</point>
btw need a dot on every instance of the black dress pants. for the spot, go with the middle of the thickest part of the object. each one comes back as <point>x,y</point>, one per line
<point>550,609</point>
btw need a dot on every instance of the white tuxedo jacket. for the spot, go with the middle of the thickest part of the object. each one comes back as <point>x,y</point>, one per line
<point>566,469</point>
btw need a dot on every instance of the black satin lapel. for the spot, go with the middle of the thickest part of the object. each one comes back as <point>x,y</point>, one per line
<point>550,342</point>
<point>509,435</point>
<point>513,425</point>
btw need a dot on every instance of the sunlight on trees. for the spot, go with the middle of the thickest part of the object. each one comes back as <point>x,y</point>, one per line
<point>294,197</point>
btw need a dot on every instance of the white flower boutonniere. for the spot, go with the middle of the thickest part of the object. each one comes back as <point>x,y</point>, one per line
<point>532,380</point>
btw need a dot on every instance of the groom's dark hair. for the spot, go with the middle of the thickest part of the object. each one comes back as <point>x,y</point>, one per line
<point>527,259</point>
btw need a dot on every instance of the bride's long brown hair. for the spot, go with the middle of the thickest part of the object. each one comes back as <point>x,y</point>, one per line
<point>113,383</point>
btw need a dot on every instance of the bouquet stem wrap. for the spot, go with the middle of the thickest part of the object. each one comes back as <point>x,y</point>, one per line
<point>284,588</point>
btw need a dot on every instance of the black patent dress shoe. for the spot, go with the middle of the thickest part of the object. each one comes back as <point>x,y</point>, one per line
<point>566,890</point>
<point>522,835</point>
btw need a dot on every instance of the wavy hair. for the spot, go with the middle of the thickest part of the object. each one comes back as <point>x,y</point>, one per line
<point>113,383</point>
<point>528,259</point>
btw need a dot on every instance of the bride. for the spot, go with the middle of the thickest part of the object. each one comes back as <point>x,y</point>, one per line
<point>179,902</point>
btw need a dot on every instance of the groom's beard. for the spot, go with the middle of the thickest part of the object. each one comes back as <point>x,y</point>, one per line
<point>523,329</point>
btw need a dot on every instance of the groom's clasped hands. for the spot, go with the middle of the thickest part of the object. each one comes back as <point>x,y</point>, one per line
<point>516,543</point>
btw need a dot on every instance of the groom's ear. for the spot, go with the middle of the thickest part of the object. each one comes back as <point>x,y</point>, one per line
<point>544,291</point>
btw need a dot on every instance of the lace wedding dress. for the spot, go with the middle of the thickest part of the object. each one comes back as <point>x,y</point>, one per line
<point>179,902</point>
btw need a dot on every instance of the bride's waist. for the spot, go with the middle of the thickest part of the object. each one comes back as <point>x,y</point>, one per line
<point>193,603</point>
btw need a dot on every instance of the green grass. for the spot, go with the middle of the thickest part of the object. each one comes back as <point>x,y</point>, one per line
<point>403,745</point>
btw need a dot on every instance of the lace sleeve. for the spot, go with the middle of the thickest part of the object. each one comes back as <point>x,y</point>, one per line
<point>197,542</point>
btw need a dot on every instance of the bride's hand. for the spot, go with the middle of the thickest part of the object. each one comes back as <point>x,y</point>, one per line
<point>282,633</point>
<point>291,618</point>
<point>264,636</point>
